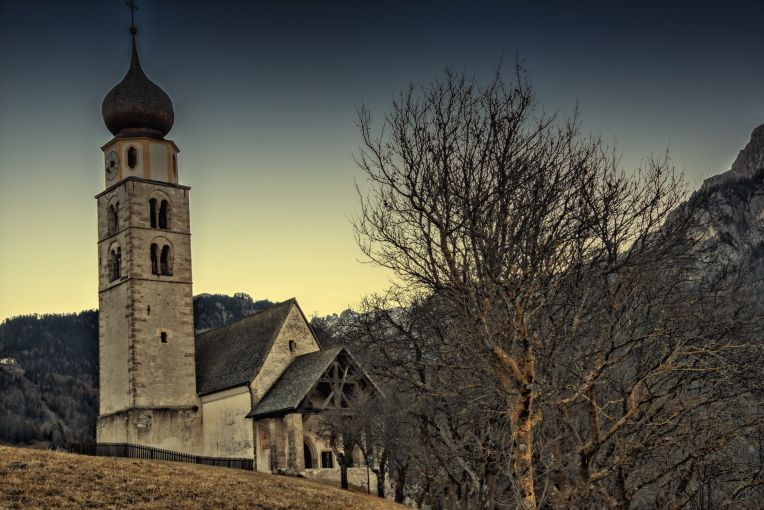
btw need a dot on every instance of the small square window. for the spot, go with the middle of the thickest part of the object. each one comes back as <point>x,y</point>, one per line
<point>327,460</point>
<point>163,337</point>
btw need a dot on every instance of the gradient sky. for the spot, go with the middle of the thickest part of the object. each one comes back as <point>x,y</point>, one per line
<point>265,100</point>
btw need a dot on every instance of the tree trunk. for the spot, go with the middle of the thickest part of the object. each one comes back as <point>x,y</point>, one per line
<point>490,490</point>
<point>584,474</point>
<point>343,476</point>
<point>400,484</point>
<point>381,472</point>
<point>522,464</point>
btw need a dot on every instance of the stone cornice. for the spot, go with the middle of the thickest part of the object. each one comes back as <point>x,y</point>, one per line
<point>145,181</point>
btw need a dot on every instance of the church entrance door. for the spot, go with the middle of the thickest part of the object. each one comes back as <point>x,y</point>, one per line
<point>308,455</point>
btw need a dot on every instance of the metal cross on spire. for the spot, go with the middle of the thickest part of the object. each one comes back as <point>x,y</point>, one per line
<point>133,8</point>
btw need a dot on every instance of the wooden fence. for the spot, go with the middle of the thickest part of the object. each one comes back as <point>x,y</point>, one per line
<point>134,451</point>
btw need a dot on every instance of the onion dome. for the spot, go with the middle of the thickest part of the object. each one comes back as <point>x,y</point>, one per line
<point>137,106</point>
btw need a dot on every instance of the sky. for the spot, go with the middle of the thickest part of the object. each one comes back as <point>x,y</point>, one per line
<point>266,97</point>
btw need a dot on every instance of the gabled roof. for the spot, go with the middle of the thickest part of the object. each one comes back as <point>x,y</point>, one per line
<point>233,354</point>
<point>294,384</point>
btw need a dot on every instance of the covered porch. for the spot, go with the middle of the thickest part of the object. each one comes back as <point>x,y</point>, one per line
<point>287,421</point>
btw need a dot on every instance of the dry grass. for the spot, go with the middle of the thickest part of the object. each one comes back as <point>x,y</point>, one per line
<point>42,479</point>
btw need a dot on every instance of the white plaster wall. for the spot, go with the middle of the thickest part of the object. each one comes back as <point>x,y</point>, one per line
<point>227,433</point>
<point>158,162</point>
<point>154,159</point>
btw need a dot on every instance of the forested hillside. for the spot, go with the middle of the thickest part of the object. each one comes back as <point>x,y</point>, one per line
<point>49,380</point>
<point>213,310</point>
<point>49,369</point>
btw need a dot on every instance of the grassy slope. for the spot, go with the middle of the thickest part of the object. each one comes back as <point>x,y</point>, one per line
<point>44,479</point>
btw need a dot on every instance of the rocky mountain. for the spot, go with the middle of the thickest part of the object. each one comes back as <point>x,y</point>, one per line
<point>732,211</point>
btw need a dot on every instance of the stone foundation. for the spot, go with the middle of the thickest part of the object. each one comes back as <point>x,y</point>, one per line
<point>356,477</point>
<point>179,430</point>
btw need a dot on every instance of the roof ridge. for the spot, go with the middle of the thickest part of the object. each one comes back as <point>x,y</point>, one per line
<point>254,314</point>
<point>324,350</point>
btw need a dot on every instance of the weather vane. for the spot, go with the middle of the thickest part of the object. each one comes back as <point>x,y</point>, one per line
<point>133,8</point>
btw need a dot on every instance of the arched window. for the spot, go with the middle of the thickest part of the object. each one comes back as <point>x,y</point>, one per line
<point>159,214</point>
<point>154,258</point>
<point>174,166</point>
<point>113,218</point>
<point>165,262</point>
<point>153,212</point>
<point>132,157</point>
<point>115,261</point>
<point>164,214</point>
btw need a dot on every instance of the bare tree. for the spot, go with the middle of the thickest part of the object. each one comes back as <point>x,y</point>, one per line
<point>382,435</point>
<point>341,429</point>
<point>575,311</point>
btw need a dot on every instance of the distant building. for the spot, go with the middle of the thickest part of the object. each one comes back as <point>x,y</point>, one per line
<point>252,388</point>
<point>11,366</point>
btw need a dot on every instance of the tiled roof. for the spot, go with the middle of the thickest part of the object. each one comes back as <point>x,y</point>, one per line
<point>233,354</point>
<point>295,383</point>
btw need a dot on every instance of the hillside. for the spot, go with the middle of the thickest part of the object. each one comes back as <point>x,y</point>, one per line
<point>32,479</point>
<point>48,378</point>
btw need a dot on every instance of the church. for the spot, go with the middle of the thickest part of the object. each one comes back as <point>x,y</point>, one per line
<point>254,388</point>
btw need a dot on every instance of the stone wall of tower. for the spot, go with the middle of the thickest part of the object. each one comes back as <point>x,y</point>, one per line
<point>137,215</point>
<point>114,351</point>
<point>115,385</point>
<point>146,331</point>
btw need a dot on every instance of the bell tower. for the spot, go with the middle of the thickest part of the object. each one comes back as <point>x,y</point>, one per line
<point>146,331</point>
